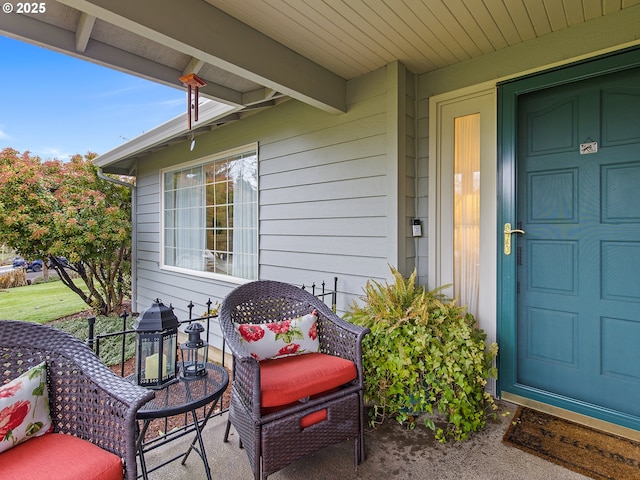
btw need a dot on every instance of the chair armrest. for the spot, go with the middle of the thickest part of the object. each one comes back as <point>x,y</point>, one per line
<point>89,401</point>
<point>340,338</point>
<point>246,369</point>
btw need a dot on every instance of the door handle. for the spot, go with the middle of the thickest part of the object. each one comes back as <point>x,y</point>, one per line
<point>507,237</point>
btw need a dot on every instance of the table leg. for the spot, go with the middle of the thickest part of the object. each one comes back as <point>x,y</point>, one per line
<point>204,422</point>
<point>140,447</point>
<point>201,452</point>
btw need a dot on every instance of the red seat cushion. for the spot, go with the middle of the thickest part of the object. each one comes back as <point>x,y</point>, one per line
<point>289,379</point>
<point>58,456</point>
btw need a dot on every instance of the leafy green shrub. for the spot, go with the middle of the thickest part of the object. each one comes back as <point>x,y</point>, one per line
<point>424,355</point>
<point>110,348</point>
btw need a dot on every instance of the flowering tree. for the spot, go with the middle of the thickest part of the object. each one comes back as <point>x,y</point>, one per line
<point>56,209</point>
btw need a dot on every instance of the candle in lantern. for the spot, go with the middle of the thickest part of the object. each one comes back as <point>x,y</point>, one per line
<point>151,367</point>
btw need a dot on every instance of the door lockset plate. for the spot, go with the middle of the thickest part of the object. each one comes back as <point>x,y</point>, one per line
<point>507,237</point>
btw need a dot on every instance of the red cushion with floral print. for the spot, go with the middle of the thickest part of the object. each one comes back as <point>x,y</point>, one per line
<point>289,379</point>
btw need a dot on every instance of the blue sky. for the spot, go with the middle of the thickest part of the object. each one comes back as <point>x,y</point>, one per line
<point>55,105</point>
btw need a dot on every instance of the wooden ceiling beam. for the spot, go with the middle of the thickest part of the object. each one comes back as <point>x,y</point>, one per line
<point>202,31</point>
<point>32,30</point>
<point>83,32</point>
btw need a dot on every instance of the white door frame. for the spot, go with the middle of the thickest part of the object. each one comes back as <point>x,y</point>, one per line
<point>443,109</point>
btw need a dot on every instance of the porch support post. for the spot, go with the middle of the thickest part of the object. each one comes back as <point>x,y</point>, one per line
<point>397,158</point>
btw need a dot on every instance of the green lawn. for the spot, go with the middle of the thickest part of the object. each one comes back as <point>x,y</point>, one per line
<point>46,302</point>
<point>40,303</point>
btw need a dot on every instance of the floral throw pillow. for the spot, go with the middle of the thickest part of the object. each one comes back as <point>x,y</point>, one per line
<point>280,339</point>
<point>24,408</point>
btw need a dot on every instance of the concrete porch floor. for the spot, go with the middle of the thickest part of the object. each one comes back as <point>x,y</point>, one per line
<point>392,453</point>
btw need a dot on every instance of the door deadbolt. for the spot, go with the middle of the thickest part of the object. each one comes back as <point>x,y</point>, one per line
<point>507,237</point>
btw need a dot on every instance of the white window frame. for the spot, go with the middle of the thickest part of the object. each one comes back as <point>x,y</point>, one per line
<point>252,147</point>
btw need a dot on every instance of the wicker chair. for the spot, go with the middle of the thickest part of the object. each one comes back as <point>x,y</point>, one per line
<point>274,439</point>
<point>86,399</point>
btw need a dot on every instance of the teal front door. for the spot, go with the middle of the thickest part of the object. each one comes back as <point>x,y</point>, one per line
<point>576,279</point>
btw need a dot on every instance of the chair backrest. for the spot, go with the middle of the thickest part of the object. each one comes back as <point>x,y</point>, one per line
<point>266,301</point>
<point>25,344</point>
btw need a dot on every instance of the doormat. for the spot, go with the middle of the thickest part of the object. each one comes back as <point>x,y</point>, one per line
<point>582,449</point>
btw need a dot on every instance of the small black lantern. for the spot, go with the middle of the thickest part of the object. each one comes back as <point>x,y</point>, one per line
<point>156,346</point>
<point>194,353</point>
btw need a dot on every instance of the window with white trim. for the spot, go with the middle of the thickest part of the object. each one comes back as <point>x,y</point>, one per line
<point>210,215</point>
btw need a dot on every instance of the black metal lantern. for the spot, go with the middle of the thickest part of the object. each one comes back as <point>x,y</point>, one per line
<point>194,353</point>
<point>156,346</point>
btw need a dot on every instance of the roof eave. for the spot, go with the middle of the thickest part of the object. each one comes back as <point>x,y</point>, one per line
<point>160,135</point>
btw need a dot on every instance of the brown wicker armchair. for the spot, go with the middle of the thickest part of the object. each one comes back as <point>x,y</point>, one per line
<point>273,438</point>
<point>86,399</point>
